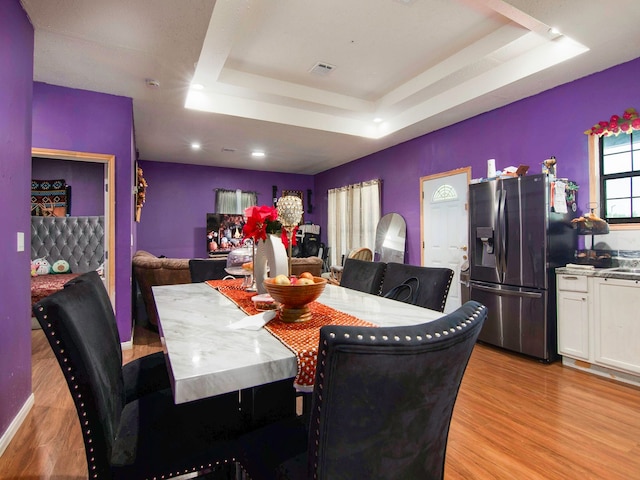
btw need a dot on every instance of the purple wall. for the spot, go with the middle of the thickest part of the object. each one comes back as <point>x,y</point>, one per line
<point>524,132</point>
<point>179,196</point>
<point>83,121</point>
<point>16,73</point>
<point>173,219</point>
<point>85,178</point>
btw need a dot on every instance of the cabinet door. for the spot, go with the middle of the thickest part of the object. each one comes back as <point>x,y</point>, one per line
<point>573,324</point>
<point>617,323</point>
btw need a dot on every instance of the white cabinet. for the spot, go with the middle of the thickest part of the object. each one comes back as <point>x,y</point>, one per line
<point>573,316</point>
<point>616,305</point>
<point>599,324</point>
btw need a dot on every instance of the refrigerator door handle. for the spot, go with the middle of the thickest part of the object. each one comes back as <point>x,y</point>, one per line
<point>502,251</point>
<point>504,292</point>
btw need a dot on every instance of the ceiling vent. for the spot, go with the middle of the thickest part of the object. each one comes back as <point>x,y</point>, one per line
<point>322,69</point>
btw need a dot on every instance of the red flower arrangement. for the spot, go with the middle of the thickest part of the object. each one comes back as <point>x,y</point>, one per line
<point>258,222</point>
<point>617,125</point>
<point>257,218</point>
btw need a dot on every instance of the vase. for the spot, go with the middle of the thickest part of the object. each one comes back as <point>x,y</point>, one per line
<point>270,261</point>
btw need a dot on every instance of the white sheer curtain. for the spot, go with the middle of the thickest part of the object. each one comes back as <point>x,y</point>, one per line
<point>234,202</point>
<point>353,213</point>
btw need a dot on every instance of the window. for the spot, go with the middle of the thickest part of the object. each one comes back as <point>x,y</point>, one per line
<point>353,213</point>
<point>619,182</point>
<point>444,193</point>
<point>234,201</point>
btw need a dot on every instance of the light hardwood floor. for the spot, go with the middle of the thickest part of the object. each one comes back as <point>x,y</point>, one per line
<point>514,419</point>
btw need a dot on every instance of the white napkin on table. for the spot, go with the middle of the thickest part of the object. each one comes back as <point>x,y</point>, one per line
<point>254,322</point>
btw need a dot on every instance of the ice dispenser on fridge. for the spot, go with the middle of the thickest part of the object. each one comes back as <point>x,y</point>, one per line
<point>484,248</point>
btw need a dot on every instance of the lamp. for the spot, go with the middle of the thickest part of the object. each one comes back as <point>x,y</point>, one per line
<point>289,215</point>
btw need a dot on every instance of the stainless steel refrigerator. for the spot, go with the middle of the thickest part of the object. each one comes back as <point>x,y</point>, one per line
<point>517,240</point>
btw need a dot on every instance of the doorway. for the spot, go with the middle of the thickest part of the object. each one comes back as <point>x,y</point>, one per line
<point>108,162</point>
<point>445,225</point>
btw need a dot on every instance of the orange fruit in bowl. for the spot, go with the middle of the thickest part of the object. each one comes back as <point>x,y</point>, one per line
<point>306,275</point>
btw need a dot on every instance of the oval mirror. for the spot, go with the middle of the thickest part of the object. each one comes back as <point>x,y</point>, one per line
<point>391,233</point>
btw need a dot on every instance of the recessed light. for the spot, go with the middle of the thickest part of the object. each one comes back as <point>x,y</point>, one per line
<point>195,146</point>
<point>152,83</point>
<point>257,154</point>
<point>377,120</point>
<point>197,86</point>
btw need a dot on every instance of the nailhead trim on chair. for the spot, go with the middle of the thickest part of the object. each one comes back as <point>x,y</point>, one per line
<point>444,299</point>
<point>322,355</point>
<point>86,431</point>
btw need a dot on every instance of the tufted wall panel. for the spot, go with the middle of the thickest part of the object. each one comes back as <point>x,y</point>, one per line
<point>78,240</point>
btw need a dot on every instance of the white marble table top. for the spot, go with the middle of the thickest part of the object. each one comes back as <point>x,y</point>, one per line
<point>207,358</point>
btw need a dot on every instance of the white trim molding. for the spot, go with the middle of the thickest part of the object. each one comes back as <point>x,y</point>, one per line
<point>15,424</point>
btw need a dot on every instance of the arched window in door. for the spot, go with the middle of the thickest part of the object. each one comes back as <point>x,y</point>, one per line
<point>444,193</point>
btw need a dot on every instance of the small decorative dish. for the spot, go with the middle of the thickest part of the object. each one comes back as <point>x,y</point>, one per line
<point>264,302</point>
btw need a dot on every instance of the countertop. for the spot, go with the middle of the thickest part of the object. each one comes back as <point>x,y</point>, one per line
<point>622,273</point>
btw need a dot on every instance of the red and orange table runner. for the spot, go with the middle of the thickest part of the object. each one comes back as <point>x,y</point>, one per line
<point>301,338</point>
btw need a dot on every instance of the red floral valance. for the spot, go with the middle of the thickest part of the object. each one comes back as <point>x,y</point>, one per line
<point>616,124</point>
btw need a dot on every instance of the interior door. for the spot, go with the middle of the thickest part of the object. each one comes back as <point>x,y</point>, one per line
<point>109,201</point>
<point>445,225</point>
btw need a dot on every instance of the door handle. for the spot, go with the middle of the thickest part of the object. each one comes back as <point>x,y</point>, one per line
<point>503,233</point>
<point>507,293</point>
<point>464,249</point>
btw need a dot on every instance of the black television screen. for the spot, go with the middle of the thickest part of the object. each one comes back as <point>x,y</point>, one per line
<point>224,233</point>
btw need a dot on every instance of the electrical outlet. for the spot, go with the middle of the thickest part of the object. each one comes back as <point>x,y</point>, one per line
<point>21,241</point>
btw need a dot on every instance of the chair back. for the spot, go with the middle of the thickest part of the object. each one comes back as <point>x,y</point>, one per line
<point>432,283</point>
<point>81,337</point>
<point>362,275</point>
<point>93,279</point>
<point>202,269</point>
<point>361,254</point>
<point>384,397</point>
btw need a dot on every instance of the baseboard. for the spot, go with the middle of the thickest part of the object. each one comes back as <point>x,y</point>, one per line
<point>14,426</point>
<point>602,371</point>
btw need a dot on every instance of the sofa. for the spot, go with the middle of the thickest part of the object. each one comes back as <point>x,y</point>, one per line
<point>150,271</point>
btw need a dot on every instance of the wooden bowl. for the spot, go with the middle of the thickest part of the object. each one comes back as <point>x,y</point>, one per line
<point>294,299</point>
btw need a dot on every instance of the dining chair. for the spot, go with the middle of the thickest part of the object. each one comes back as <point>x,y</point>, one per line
<point>149,436</point>
<point>142,375</point>
<point>381,407</point>
<point>362,275</point>
<point>433,283</point>
<point>364,253</point>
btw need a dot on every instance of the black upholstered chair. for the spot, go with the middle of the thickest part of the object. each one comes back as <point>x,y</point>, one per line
<point>202,269</point>
<point>148,437</point>
<point>382,404</point>
<point>362,275</point>
<point>141,375</point>
<point>433,283</point>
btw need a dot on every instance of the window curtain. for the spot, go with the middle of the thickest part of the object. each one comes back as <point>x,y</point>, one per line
<point>234,202</point>
<point>353,213</point>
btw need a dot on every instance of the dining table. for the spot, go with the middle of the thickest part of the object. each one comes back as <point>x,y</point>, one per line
<point>207,356</point>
